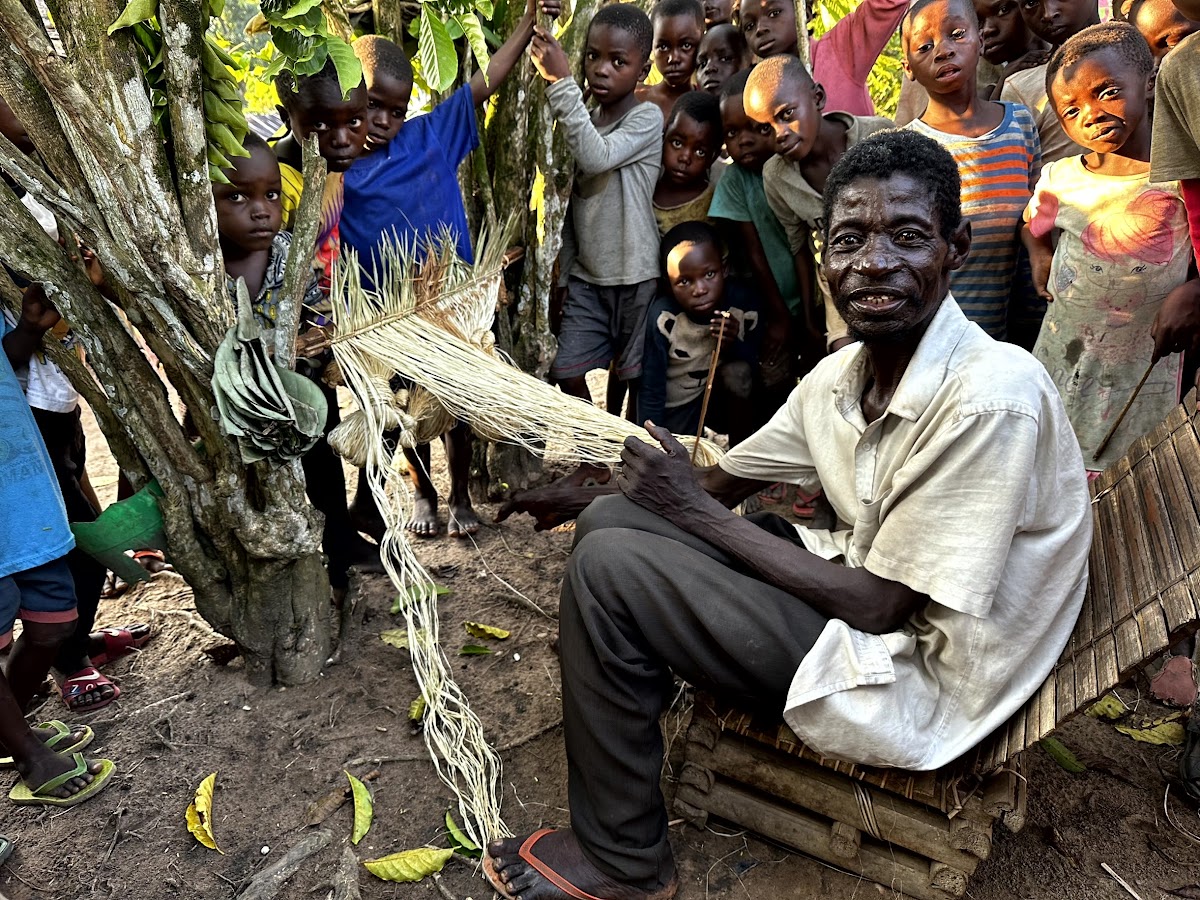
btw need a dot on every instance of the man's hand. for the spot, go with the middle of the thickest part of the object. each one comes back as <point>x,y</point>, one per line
<point>38,314</point>
<point>1176,328</point>
<point>661,481</point>
<point>549,58</point>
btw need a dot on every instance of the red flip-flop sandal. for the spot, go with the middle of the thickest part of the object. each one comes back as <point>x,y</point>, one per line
<point>83,682</point>
<point>805,506</point>
<point>120,641</point>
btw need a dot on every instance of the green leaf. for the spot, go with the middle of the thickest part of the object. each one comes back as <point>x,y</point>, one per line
<point>349,69</point>
<point>136,11</point>
<point>364,809</point>
<point>459,841</point>
<point>1061,755</point>
<point>439,62</point>
<point>313,64</point>
<point>474,650</point>
<point>298,9</point>
<point>216,8</point>
<point>479,630</point>
<point>485,7</point>
<point>396,637</point>
<point>475,39</point>
<point>414,593</point>
<point>295,46</point>
<point>409,865</point>
<point>416,710</point>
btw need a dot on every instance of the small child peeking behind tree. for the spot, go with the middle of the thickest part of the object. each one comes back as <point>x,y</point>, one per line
<point>678,29</point>
<point>691,144</point>
<point>1122,243</point>
<point>699,305</point>
<point>995,146</point>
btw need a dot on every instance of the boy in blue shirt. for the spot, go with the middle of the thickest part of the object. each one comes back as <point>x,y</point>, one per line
<point>407,185</point>
<point>35,584</point>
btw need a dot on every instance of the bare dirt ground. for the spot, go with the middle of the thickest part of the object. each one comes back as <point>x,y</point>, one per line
<point>182,716</point>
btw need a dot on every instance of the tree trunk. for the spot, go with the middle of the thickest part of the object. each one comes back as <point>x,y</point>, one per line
<point>244,537</point>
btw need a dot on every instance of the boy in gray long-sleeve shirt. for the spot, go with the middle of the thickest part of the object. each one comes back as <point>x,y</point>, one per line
<point>610,241</point>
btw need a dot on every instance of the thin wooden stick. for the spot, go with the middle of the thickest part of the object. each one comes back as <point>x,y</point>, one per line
<point>712,372</point>
<point>1121,418</point>
<point>1119,880</point>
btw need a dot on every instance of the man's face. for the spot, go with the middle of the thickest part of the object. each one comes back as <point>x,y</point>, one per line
<point>793,110</point>
<point>676,40</point>
<point>887,263</point>
<point>750,144</point>
<point>250,207</point>
<point>1002,31</point>
<point>718,58</point>
<point>1102,101</point>
<point>340,125</point>
<point>612,63</point>
<point>1163,26</point>
<point>769,26</point>
<point>1056,20</point>
<point>387,106</point>
<point>941,47</point>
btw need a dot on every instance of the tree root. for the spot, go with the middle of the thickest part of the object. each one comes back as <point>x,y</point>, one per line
<point>266,884</point>
<point>345,880</point>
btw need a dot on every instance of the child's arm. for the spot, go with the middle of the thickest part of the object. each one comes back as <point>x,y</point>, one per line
<point>594,153</point>
<point>38,316</point>
<point>510,51</point>
<point>1041,255</point>
<point>652,390</point>
<point>779,320</point>
<point>806,278</point>
<point>859,37</point>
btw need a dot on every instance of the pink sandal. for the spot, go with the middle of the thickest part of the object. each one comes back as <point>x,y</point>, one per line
<point>805,506</point>
<point>75,687</point>
<point>119,640</point>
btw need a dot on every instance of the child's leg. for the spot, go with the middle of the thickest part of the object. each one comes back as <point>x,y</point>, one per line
<point>732,395</point>
<point>586,339</point>
<point>425,499</point>
<point>463,519</point>
<point>45,598</point>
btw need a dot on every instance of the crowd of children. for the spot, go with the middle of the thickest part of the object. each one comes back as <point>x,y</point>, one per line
<point>691,256</point>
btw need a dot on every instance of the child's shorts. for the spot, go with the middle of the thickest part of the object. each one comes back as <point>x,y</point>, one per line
<point>45,593</point>
<point>600,323</point>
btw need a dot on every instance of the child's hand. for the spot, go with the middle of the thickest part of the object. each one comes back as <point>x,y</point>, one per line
<point>1176,328</point>
<point>774,343</point>
<point>38,314</point>
<point>729,335</point>
<point>549,58</point>
<point>550,8</point>
<point>92,266</point>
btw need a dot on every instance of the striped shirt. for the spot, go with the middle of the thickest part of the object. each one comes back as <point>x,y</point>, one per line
<point>999,171</point>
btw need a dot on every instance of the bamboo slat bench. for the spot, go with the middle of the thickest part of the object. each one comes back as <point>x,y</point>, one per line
<point>924,833</point>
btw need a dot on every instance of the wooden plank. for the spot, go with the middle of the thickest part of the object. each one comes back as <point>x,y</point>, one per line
<point>1185,525</point>
<point>1046,720</point>
<point>1086,689</point>
<point>1179,606</point>
<point>1082,635</point>
<point>1152,627</point>
<point>892,867</point>
<point>1129,647</point>
<point>1134,540</point>
<point>1165,563</point>
<point>1016,732</point>
<point>1108,673</point>
<point>1100,587</point>
<point>881,815</point>
<point>1116,555</point>
<point>1064,700</point>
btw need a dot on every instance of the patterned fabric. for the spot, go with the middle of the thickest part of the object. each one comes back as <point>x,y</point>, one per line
<point>328,237</point>
<point>266,302</point>
<point>999,171</point>
<point>1124,246</point>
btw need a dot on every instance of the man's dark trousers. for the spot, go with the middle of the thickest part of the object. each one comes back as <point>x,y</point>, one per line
<point>643,599</point>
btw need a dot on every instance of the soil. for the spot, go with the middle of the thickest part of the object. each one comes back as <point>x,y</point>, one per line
<point>182,716</point>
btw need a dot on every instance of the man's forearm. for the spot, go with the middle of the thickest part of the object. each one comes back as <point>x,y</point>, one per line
<point>861,599</point>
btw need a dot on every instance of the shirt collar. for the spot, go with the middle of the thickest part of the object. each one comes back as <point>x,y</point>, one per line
<point>922,379</point>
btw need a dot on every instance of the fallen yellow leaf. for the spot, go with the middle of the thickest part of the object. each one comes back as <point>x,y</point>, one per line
<point>409,865</point>
<point>479,630</point>
<point>364,809</point>
<point>199,814</point>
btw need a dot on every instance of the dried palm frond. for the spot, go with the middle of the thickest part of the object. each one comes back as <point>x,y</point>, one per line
<point>430,324</point>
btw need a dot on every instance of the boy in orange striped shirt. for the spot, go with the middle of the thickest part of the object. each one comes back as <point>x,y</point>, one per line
<point>995,145</point>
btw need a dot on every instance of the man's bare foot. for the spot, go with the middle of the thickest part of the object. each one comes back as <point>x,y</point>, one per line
<point>533,868</point>
<point>463,519</point>
<point>424,521</point>
<point>48,765</point>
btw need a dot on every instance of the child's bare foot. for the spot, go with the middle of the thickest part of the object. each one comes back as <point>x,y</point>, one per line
<point>48,765</point>
<point>424,522</point>
<point>77,737</point>
<point>463,519</point>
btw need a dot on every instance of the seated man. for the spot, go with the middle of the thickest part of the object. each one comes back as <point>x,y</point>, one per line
<point>901,640</point>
